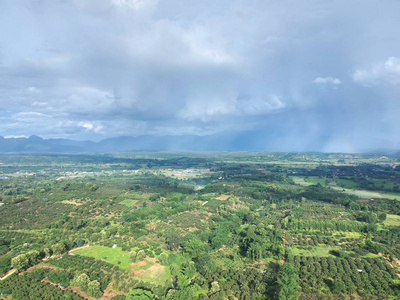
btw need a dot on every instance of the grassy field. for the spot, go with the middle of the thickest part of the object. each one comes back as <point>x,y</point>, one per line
<point>361,193</point>
<point>344,185</point>
<point>158,275</point>
<point>302,181</point>
<point>130,199</point>
<point>392,220</point>
<point>128,202</point>
<point>151,271</point>
<point>391,195</point>
<point>320,251</point>
<point>114,256</point>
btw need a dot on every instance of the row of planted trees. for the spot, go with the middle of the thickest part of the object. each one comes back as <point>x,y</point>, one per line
<point>30,258</point>
<point>346,275</point>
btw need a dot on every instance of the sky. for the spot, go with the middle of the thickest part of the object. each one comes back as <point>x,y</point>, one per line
<point>311,75</point>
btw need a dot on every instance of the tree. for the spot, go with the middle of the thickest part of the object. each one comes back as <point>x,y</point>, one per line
<point>338,287</point>
<point>382,217</point>
<point>190,270</point>
<point>58,248</point>
<point>195,247</point>
<point>139,294</point>
<point>287,280</point>
<point>47,252</point>
<point>20,262</point>
<point>141,255</point>
<point>80,242</point>
<point>172,240</point>
<point>215,287</point>
<point>82,281</point>
<point>26,260</point>
<point>133,256</point>
<point>163,258</point>
<point>93,289</point>
<point>59,277</point>
<point>154,197</point>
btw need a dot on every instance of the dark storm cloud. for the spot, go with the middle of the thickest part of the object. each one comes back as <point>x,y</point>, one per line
<point>321,75</point>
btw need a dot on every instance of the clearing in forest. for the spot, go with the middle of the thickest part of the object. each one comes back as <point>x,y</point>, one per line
<point>349,187</point>
<point>320,251</point>
<point>113,256</point>
<point>150,271</point>
<point>392,220</point>
<point>72,202</point>
<point>131,198</point>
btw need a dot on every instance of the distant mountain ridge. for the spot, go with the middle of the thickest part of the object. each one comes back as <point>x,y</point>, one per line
<point>120,144</point>
<point>225,141</point>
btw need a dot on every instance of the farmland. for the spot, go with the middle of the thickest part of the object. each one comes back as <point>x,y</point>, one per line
<point>200,226</point>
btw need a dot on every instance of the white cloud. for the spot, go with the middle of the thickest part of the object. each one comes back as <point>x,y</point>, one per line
<point>387,72</point>
<point>86,99</point>
<point>29,115</point>
<point>33,90</point>
<point>146,66</point>
<point>39,104</point>
<point>214,109</point>
<point>15,136</point>
<point>327,80</point>
<point>134,4</point>
<point>392,65</point>
<point>259,106</point>
<point>92,126</point>
<point>106,9</point>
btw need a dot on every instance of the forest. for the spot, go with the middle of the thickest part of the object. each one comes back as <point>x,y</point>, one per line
<point>216,225</point>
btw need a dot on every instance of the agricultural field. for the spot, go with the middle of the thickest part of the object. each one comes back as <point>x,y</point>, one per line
<point>199,226</point>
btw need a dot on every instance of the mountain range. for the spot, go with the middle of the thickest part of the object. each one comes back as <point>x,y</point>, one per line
<point>128,143</point>
<point>226,141</point>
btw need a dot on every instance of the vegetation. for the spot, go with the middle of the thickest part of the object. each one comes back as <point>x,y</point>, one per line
<point>200,226</point>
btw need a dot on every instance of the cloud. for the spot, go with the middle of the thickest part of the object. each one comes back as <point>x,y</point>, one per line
<point>91,126</point>
<point>100,68</point>
<point>387,72</point>
<point>29,114</point>
<point>133,4</point>
<point>110,8</point>
<point>327,80</point>
<point>230,106</point>
<point>33,90</point>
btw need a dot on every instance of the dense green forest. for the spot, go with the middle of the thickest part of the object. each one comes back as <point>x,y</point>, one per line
<point>199,226</point>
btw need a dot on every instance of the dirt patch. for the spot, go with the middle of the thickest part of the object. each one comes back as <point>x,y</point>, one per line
<point>109,293</point>
<point>363,201</point>
<point>111,215</point>
<point>77,291</point>
<point>138,269</point>
<point>152,271</point>
<point>152,226</point>
<point>72,202</point>
<point>139,263</point>
<point>143,262</point>
<point>75,249</point>
<point>222,197</point>
<point>9,273</point>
